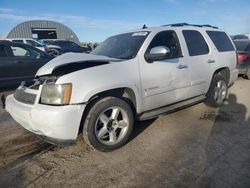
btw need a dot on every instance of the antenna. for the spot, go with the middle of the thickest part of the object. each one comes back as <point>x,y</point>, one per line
<point>144,26</point>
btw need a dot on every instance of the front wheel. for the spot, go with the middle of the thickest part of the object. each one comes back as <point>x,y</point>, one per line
<point>108,124</point>
<point>217,92</point>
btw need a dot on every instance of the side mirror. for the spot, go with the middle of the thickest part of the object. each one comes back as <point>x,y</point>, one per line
<point>157,53</point>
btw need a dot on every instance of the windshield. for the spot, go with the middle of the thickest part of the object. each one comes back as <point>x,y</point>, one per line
<point>124,46</point>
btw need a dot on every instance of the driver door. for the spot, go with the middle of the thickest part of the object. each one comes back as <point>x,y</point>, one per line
<point>166,81</point>
<point>27,60</point>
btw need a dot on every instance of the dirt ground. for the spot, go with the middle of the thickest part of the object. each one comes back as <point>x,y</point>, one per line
<point>195,147</point>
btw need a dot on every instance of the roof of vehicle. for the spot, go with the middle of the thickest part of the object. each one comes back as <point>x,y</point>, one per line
<point>53,40</point>
<point>5,42</point>
<point>186,24</point>
<point>176,26</point>
<point>240,37</point>
<point>242,40</point>
<point>17,44</point>
<point>20,39</point>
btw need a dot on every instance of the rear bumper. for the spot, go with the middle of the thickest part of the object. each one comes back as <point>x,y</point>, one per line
<point>233,76</point>
<point>55,124</point>
<point>244,70</point>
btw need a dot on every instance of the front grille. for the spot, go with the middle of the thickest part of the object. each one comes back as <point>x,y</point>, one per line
<point>27,98</point>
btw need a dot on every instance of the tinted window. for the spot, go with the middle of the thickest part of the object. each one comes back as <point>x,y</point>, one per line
<point>168,39</point>
<point>196,44</point>
<point>18,41</point>
<point>240,45</point>
<point>221,41</point>
<point>3,51</point>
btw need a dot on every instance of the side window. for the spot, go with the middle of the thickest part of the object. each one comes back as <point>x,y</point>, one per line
<point>19,51</point>
<point>168,39</point>
<point>3,52</point>
<point>221,41</point>
<point>196,44</point>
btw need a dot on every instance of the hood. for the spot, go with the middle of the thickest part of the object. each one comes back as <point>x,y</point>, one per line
<point>74,61</point>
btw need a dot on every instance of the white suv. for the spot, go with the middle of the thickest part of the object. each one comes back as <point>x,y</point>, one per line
<point>136,75</point>
<point>28,41</point>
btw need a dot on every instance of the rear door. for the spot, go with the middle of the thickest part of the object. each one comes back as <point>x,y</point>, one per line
<point>199,60</point>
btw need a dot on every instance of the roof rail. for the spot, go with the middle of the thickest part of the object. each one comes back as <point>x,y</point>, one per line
<point>187,24</point>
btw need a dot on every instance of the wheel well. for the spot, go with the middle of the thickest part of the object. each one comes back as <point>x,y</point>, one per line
<point>126,94</point>
<point>224,71</point>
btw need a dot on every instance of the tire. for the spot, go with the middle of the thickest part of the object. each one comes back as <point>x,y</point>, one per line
<point>108,124</point>
<point>245,76</point>
<point>217,92</point>
<point>54,52</point>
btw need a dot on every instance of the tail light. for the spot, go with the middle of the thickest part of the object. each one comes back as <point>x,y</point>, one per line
<point>242,56</point>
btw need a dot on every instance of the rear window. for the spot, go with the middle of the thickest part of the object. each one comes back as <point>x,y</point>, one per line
<point>242,45</point>
<point>196,43</point>
<point>221,41</point>
<point>247,48</point>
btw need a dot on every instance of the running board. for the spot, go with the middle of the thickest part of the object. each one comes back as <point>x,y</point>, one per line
<point>170,108</point>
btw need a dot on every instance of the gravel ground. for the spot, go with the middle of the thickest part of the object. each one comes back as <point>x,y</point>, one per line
<point>195,147</point>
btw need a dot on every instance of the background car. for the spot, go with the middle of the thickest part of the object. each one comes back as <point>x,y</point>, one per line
<point>57,47</point>
<point>243,51</point>
<point>19,62</point>
<point>239,37</point>
<point>28,41</point>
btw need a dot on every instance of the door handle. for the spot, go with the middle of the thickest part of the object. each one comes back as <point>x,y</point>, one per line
<point>211,61</point>
<point>182,66</point>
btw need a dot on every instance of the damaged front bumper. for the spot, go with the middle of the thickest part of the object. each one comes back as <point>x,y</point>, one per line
<point>55,124</point>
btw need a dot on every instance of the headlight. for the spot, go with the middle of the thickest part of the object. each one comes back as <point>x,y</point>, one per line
<point>56,94</point>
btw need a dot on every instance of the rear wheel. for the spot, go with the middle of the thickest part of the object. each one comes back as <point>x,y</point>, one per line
<point>217,92</point>
<point>108,124</point>
<point>245,76</point>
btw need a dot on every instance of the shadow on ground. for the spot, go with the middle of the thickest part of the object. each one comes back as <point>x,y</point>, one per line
<point>228,148</point>
<point>140,126</point>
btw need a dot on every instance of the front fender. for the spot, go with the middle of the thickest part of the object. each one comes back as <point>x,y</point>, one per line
<point>88,82</point>
<point>96,91</point>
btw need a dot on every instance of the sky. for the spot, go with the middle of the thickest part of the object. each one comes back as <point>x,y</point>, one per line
<point>95,20</point>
